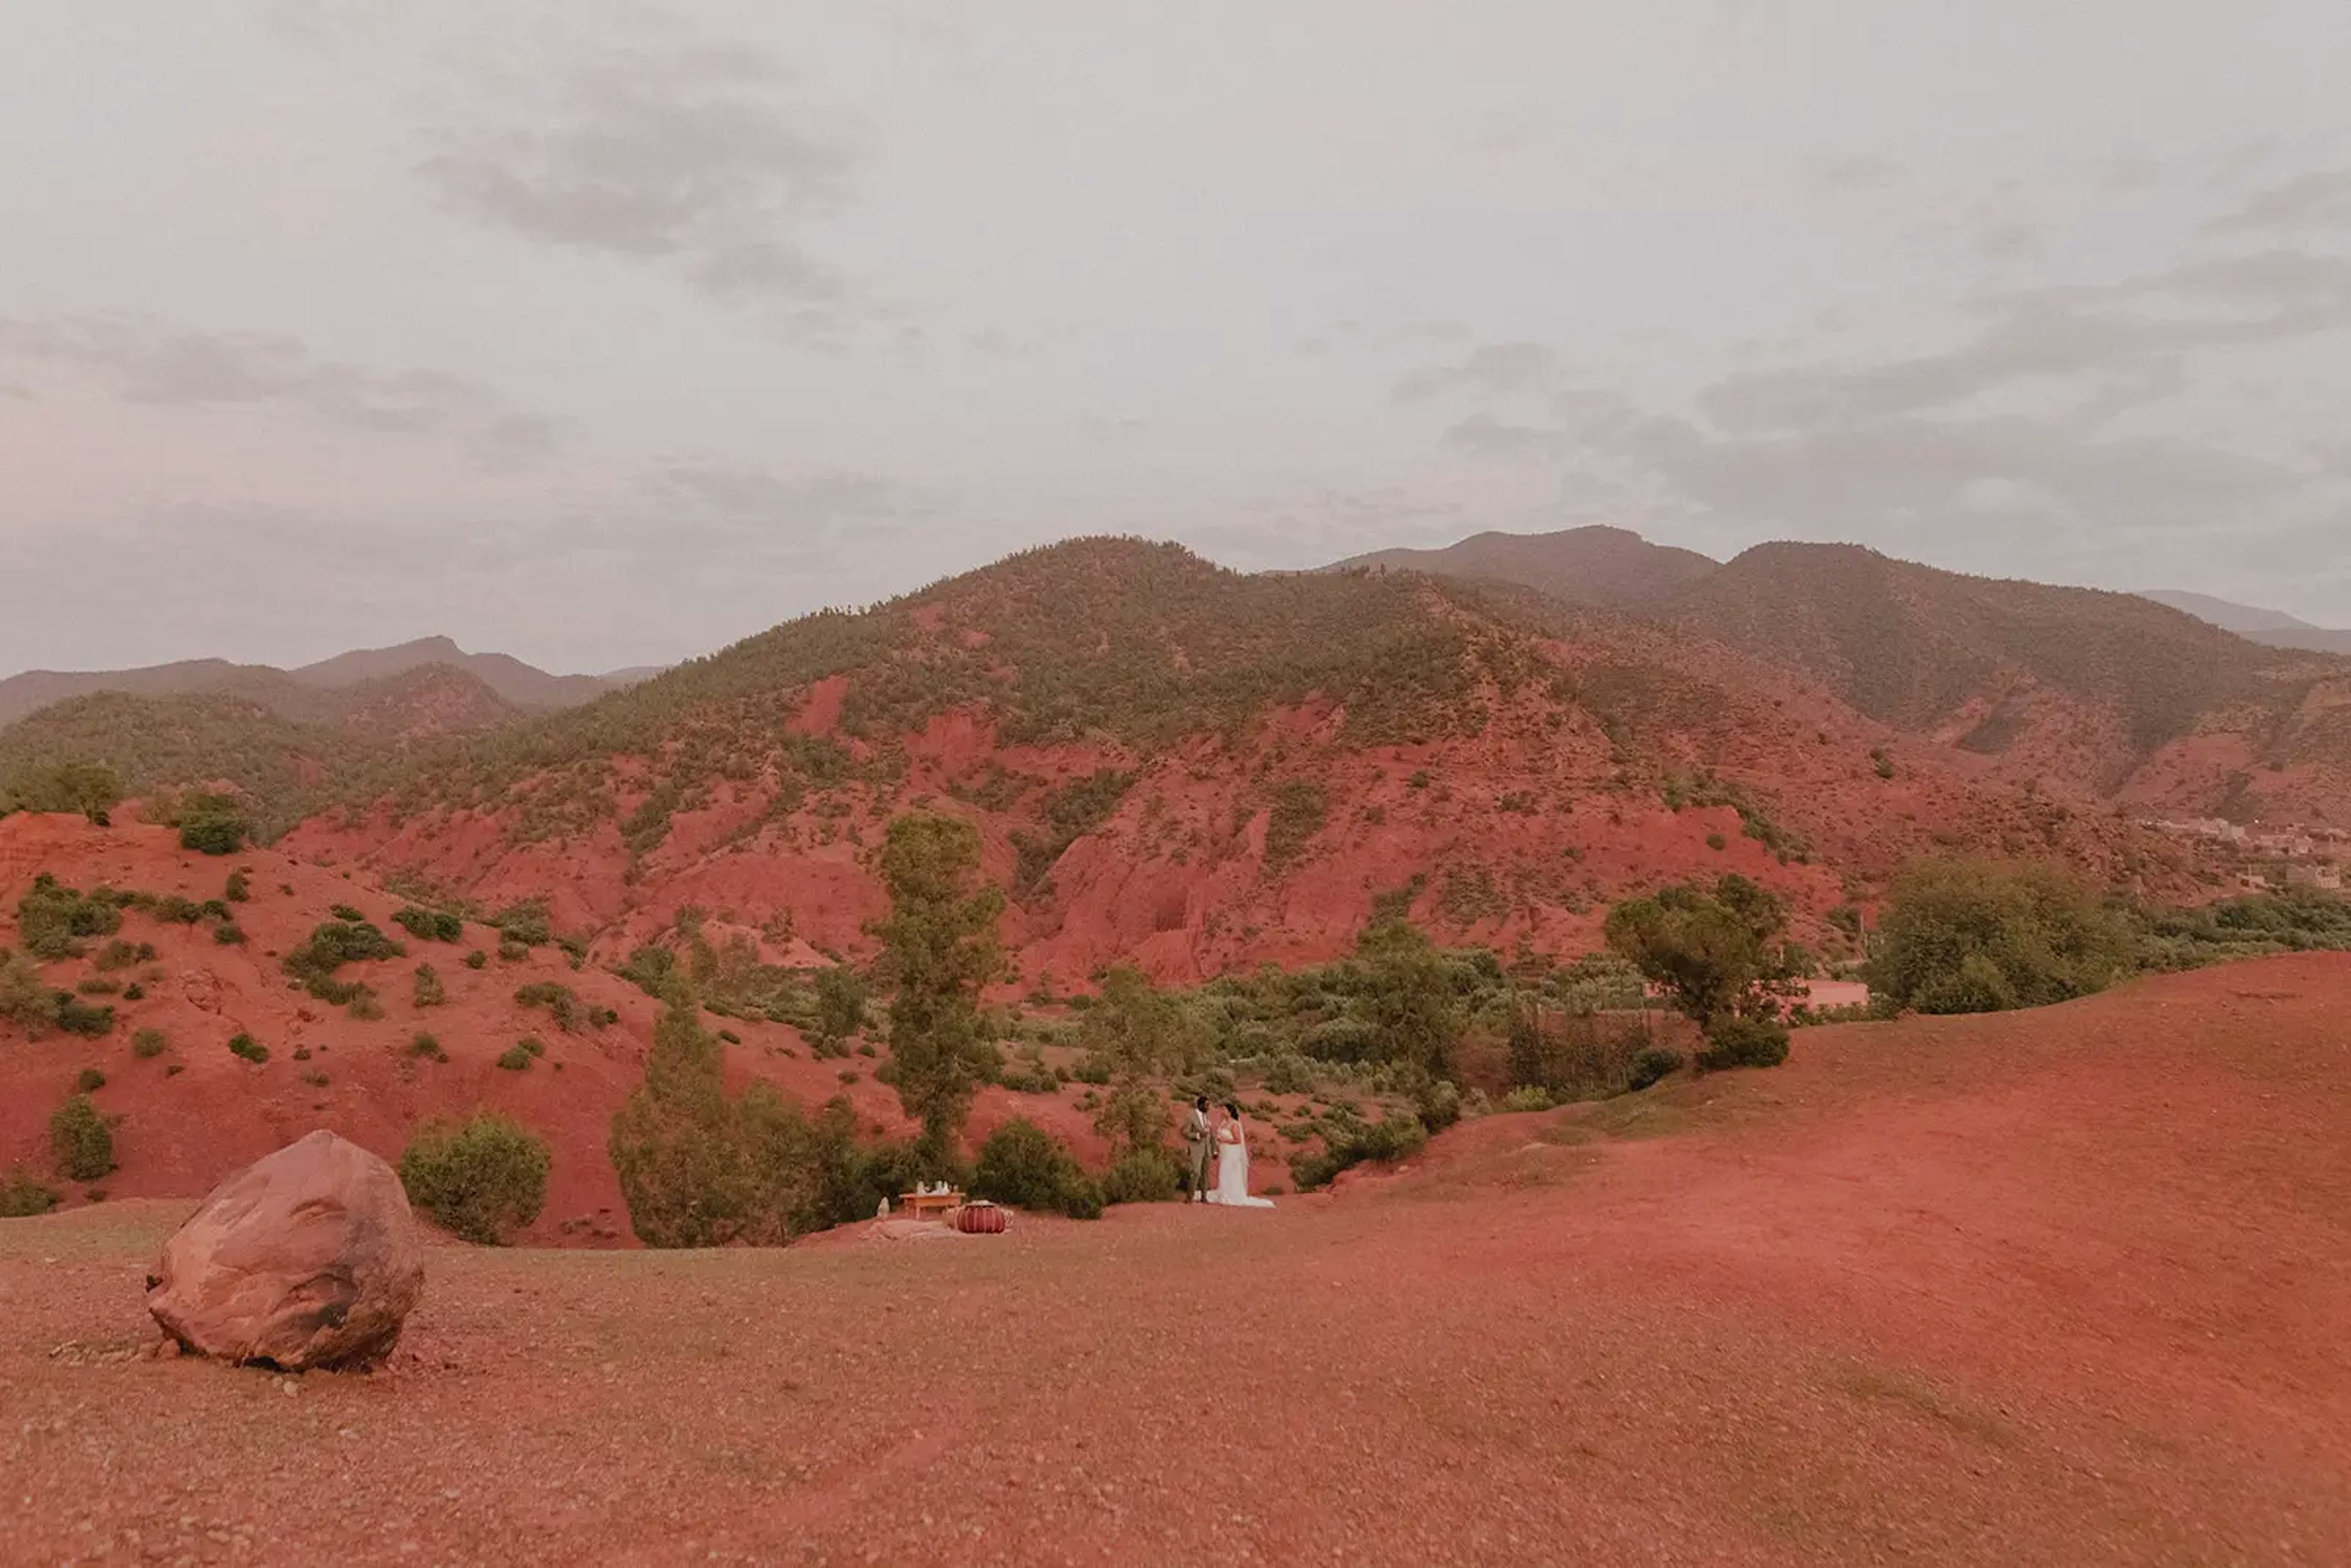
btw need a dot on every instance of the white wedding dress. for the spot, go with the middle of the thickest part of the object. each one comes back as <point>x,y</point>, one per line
<point>1232,1177</point>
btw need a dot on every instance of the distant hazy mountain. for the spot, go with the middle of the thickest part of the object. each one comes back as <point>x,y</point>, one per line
<point>287,692</point>
<point>2273,628</point>
<point>520,683</point>
<point>1595,565</point>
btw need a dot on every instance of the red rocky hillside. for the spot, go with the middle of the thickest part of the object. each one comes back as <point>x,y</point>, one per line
<point>1199,769</point>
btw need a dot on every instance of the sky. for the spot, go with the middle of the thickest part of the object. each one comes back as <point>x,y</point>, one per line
<point>604,333</point>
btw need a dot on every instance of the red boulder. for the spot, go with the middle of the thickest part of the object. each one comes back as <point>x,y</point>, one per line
<point>305,1258</point>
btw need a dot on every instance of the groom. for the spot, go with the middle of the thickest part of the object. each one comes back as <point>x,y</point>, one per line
<point>1199,1144</point>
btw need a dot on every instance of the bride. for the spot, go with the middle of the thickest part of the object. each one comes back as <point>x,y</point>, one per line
<point>1232,1164</point>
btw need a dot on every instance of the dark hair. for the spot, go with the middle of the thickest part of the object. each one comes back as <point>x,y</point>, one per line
<point>1231,1109</point>
<point>1199,1101</point>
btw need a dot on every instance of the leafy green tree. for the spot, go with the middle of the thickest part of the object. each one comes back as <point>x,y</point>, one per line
<point>1715,951</point>
<point>1976,935</point>
<point>483,1178</point>
<point>940,947</point>
<point>1133,1118</point>
<point>840,1008</point>
<point>92,789</point>
<point>1142,1030</point>
<point>1410,997</point>
<point>675,1143</point>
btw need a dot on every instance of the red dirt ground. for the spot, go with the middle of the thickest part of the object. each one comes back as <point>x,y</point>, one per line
<point>2064,1287</point>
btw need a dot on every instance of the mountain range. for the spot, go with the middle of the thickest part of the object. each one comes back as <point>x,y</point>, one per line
<point>287,692</point>
<point>1197,768</point>
<point>2272,627</point>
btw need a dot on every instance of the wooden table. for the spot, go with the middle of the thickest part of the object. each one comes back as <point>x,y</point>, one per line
<point>929,1204</point>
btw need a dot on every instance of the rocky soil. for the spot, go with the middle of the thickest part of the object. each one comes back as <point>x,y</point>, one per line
<point>2064,1287</point>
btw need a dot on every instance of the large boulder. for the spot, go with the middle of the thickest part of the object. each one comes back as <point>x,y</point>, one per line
<point>305,1258</point>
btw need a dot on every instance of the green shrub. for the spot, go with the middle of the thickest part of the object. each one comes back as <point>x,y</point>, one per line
<point>333,943</point>
<point>1744,1042</point>
<point>245,1046</point>
<point>1529,1097</point>
<point>482,1179</point>
<point>228,935</point>
<point>134,992</point>
<point>430,992</point>
<point>515,1058</point>
<point>425,1046</point>
<point>1023,1165</point>
<point>80,1139</point>
<point>346,914</point>
<point>1036,1079</point>
<point>21,1197</point>
<point>52,918</point>
<point>361,1002</point>
<point>97,985</point>
<point>1289,1073</point>
<point>212,825</point>
<point>173,910</point>
<point>90,1079</point>
<point>120,954</point>
<point>512,952</point>
<point>429,925</point>
<point>1300,807</point>
<point>77,1017</point>
<point>561,1002</point>
<point>238,890</point>
<point>1349,1144</point>
<point>1083,1199</point>
<point>1142,1176</point>
<point>1965,936</point>
<point>476,959</point>
<point>1654,1066</point>
<point>149,1043</point>
<point>25,999</point>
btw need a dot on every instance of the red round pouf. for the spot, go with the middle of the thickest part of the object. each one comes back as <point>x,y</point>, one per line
<point>979,1219</point>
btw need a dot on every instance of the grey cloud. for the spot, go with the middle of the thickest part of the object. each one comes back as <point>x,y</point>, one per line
<point>2121,341</point>
<point>1866,173</point>
<point>754,493</point>
<point>1486,436</point>
<point>145,362</point>
<point>1934,471</point>
<point>731,512</point>
<point>1489,368</point>
<point>677,151</point>
<point>2320,201</point>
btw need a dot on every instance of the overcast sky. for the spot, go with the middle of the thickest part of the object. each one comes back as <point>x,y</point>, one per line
<point>605,333</point>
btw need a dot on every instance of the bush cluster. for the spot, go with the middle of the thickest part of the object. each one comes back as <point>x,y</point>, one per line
<point>1346,1145</point>
<point>80,1139</point>
<point>1974,935</point>
<point>429,925</point>
<point>1024,1166</point>
<point>1744,1042</point>
<point>21,1197</point>
<point>483,1178</point>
